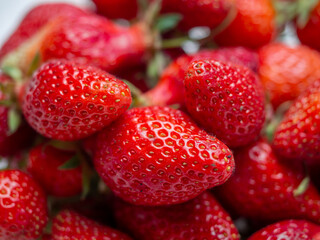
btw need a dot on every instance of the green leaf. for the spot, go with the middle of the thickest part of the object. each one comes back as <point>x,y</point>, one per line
<point>72,163</point>
<point>14,120</point>
<point>155,67</point>
<point>69,146</point>
<point>85,180</point>
<point>13,72</point>
<point>304,9</point>
<point>34,64</point>
<point>6,103</point>
<point>303,186</point>
<point>168,22</point>
<point>174,42</point>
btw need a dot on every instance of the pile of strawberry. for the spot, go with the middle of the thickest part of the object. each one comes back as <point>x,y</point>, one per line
<point>161,120</point>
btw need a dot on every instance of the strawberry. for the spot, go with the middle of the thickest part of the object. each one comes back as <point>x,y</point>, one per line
<point>170,89</point>
<point>253,26</point>
<point>264,189</point>
<point>288,229</point>
<point>71,225</point>
<point>45,162</point>
<point>46,237</point>
<point>96,41</point>
<point>286,71</point>
<point>298,135</point>
<point>200,218</point>
<point>309,34</point>
<point>36,18</point>
<point>23,208</point>
<point>227,100</point>
<point>69,101</point>
<point>11,142</point>
<point>208,13</point>
<point>127,9</point>
<point>158,156</point>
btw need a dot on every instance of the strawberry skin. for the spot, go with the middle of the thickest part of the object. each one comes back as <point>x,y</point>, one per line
<point>298,135</point>
<point>253,26</point>
<point>127,9</point>
<point>262,188</point>
<point>44,162</point>
<point>286,72</point>
<point>200,218</point>
<point>170,89</point>
<point>158,156</point>
<point>96,41</point>
<point>23,208</point>
<point>227,100</point>
<point>34,20</point>
<point>69,101</point>
<point>288,229</point>
<point>71,225</point>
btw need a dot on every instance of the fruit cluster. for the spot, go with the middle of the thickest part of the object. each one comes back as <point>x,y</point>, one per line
<point>161,120</point>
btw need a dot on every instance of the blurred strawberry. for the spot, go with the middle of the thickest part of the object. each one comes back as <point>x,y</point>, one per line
<point>200,218</point>
<point>36,18</point>
<point>127,9</point>
<point>286,72</point>
<point>253,26</point>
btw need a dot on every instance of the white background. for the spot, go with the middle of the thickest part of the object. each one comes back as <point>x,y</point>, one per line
<point>12,11</point>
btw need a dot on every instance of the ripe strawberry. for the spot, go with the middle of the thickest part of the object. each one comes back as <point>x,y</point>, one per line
<point>200,218</point>
<point>23,208</point>
<point>262,188</point>
<point>309,34</point>
<point>288,229</point>
<point>253,26</point>
<point>286,71</point>
<point>96,41</point>
<point>298,135</point>
<point>46,237</point>
<point>227,100</point>
<point>44,162</point>
<point>170,89</point>
<point>69,101</point>
<point>208,13</point>
<point>127,9</point>
<point>71,225</point>
<point>11,143</point>
<point>34,20</point>
<point>158,156</point>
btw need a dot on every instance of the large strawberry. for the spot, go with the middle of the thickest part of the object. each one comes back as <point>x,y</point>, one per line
<point>227,100</point>
<point>253,26</point>
<point>288,229</point>
<point>170,89</point>
<point>71,225</point>
<point>69,101</point>
<point>200,218</point>
<point>286,71</point>
<point>264,189</point>
<point>23,206</point>
<point>46,166</point>
<point>127,9</point>
<point>298,135</point>
<point>36,18</point>
<point>158,156</point>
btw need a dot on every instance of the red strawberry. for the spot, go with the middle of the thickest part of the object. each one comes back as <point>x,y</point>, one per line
<point>288,229</point>
<point>127,9</point>
<point>226,100</point>
<point>309,34</point>
<point>298,136</point>
<point>44,163</point>
<point>96,41</point>
<point>158,156</point>
<point>208,13</point>
<point>286,71</point>
<point>68,101</point>
<point>11,143</point>
<point>170,89</point>
<point>46,237</point>
<point>23,206</point>
<point>71,225</point>
<point>34,20</point>
<point>253,26</point>
<point>264,189</point>
<point>200,218</point>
